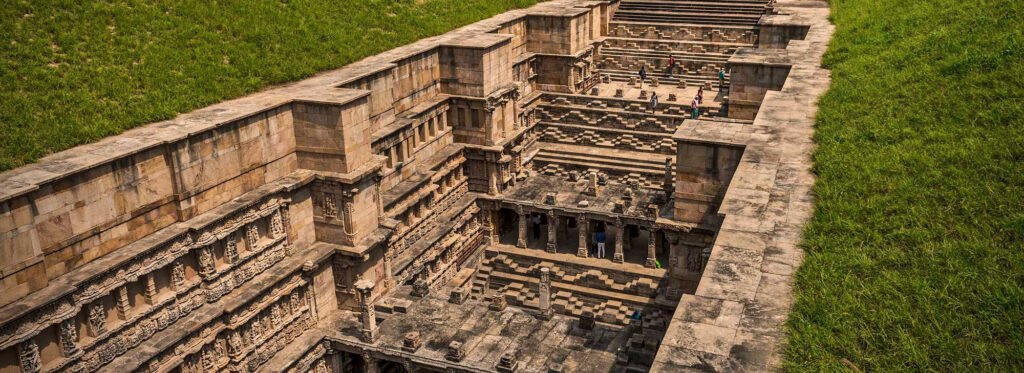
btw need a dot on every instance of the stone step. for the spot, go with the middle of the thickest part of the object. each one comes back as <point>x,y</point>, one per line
<point>681,57</point>
<point>644,142</point>
<point>691,80</point>
<point>677,48</point>
<point>691,7</point>
<point>684,32</point>
<point>688,18</point>
<point>601,162</point>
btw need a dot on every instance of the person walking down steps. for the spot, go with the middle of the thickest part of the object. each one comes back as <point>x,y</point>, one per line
<point>721,79</point>
<point>671,65</point>
<point>694,108</point>
<point>643,75</point>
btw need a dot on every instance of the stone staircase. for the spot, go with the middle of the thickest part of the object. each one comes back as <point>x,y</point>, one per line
<point>700,35</point>
<point>698,68</point>
<point>624,167</point>
<point>687,12</point>
<point>610,296</point>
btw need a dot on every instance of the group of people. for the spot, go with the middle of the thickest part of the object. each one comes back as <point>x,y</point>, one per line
<point>697,101</point>
<point>600,237</point>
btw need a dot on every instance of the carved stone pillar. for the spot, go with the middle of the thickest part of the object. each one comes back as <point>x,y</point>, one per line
<point>150,288</point>
<point>347,219</point>
<point>97,319</point>
<point>544,293</point>
<point>552,228</point>
<point>68,337</point>
<point>669,181</point>
<point>389,277</point>
<point>123,307</point>
<point>582,224</point>
<point>650,263</point>
<point>28,356</point>
<point>379,198</point>
<point>369,315</point>
<point>523,217</point>
<point>620,236</point>
<point>370,363</point>
<point>489,229</point>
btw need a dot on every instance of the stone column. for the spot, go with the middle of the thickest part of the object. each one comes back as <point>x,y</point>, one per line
<point>620,236</point>
<point>150,288</point>
<point>544,293</point>
<point>28,356</point>
<point>582,225</point>
<point>522,228</point>
<point>370,363</point>
<point>389,277</point>
<point>369,315</point>
<point>493,229</point>
<point>123,307</point>
<point>552,227</point>
<point>651,248</point>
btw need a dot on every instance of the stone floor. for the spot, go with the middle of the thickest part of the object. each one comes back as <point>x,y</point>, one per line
<point>486,335</point>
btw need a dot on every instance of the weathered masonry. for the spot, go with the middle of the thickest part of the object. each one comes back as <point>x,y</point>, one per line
<point>504,197</point>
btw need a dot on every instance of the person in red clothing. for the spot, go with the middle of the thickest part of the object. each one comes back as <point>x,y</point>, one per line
<point>671,65</point>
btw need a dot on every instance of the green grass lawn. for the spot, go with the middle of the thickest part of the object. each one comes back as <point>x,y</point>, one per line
<point>915,254</point>
<point>72,72</point>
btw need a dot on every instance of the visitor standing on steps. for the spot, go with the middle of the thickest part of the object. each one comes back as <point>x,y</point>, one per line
<point>654,101</point>
<point>694,108</point>
<point>721,79</point>
<point>671,65</point>
<point>700,95</point>
<point>600,243</point>
<point>643,75</point>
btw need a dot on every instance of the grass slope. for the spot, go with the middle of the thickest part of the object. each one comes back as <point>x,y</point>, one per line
<point>72,72</point>
<point>915,254</point>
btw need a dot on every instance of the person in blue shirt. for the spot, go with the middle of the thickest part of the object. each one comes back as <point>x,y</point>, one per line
<point>600,243</point>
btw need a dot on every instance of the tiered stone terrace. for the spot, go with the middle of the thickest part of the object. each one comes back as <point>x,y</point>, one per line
<point>436,207</point>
